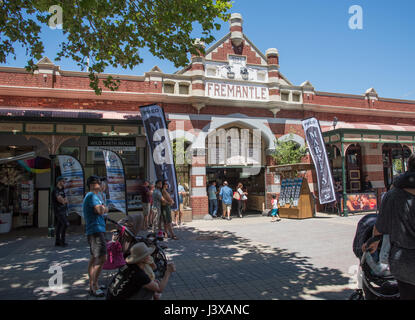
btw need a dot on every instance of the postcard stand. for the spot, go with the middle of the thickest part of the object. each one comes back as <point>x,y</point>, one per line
<point>301,208</point>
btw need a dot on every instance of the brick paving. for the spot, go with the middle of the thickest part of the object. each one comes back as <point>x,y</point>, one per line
<point>243,259</point>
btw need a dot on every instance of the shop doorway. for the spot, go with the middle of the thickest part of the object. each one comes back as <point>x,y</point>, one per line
<point>395,161</point>
<point>254,184</point>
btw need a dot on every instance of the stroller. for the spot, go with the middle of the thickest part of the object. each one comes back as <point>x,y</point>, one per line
<point>375,281</point>
<point>129,228</point>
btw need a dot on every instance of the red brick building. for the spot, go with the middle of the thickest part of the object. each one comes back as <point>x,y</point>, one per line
<point>234,87</point>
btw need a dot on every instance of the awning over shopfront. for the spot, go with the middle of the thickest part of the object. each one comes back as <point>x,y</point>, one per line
<point>370,133</point>
<point>68,114</point>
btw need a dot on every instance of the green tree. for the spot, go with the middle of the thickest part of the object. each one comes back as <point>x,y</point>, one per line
<point>110,32</point>
<point>181,157</point>
<point>288,152</point>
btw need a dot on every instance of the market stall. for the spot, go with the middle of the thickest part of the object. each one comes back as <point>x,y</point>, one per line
<point>295,200</point>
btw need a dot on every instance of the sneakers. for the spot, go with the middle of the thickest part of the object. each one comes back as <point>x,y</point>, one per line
<point>223,217</point>
<point>98,293</point>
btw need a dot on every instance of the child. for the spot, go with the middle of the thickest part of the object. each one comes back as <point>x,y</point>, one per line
<point>274,212</point>
<point>115,258</point>
<point>148,269</point>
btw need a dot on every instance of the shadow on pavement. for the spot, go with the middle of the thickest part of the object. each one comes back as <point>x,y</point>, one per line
<point>210,265</point>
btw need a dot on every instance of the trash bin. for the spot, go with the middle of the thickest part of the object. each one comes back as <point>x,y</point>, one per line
<point>5,222</point>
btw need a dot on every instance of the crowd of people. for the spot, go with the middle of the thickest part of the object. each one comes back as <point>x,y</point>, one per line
<point>396,218</point>
<point>228,197</point>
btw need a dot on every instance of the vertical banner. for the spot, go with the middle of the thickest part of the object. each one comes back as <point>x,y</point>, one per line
<point>318,153</point>
<point>158,139</point>
<point>116,181</point>
<point>73,173</point>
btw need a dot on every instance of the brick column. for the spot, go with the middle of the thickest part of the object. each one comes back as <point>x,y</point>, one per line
<point>197,70</point>
<point>372,164</point>
<point>270,186</point>
<point>198,197</point>
<point>273,74</point>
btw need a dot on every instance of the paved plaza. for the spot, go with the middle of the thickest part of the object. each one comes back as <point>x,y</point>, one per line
<point>244,259</point>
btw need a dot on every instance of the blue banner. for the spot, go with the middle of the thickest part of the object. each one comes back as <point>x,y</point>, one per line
<point>73,174</point>
<point>116,183</point>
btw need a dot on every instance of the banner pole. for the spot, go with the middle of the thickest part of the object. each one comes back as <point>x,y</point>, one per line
<point>345,210</point>
<point>51,229</point>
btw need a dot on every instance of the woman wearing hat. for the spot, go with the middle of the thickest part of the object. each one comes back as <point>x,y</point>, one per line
<point>134,280</point>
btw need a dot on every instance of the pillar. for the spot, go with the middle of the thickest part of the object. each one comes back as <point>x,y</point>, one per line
<point>198,196</point>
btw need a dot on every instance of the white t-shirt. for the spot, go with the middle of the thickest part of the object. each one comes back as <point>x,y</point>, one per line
<point>274,204</point>
<point>243,197</point>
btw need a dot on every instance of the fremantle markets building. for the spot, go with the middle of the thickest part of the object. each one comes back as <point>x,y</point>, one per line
<point>233,91</point>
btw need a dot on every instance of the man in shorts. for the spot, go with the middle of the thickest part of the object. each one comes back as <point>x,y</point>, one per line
<point>94,210</point>
<point>226,195</point>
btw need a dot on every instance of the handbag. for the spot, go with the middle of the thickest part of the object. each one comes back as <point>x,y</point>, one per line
<point>236,195</point>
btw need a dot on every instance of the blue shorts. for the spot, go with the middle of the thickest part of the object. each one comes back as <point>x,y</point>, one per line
<point>274,212</point>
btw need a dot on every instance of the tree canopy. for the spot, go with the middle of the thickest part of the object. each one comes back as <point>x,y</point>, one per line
<point>102,33</point>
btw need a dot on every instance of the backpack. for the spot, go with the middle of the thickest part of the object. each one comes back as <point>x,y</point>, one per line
<point>122,284</point>
<point>363,233</point>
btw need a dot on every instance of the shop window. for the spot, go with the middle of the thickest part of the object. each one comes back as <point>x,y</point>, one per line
<point>131,160</point>
<point>168,88</point>
<point>354,168</point>
<point>70,151</point>
<point>285,96</point>
<point>395,161</point>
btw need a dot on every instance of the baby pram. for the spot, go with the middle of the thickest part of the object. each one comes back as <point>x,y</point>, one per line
<point>129,228</point>
<point>375,281</point>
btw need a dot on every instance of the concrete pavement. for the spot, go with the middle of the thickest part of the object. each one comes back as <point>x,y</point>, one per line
<point>249,258</point>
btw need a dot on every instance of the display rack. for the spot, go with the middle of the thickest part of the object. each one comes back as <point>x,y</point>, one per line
<point>26,196</point>
<point>295,199</point>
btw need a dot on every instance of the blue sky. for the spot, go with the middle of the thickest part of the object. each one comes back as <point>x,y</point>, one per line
<point>315,43</point>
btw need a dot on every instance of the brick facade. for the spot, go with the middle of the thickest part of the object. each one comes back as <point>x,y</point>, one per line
<point>54,89</point>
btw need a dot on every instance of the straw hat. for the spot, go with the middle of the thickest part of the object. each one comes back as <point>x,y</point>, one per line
<point>139,251</point>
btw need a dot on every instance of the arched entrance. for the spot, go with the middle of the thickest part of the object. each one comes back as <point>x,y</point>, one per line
<point>236,154</point>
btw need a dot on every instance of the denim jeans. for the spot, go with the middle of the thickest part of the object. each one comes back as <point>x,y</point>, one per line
<point>213,207</point>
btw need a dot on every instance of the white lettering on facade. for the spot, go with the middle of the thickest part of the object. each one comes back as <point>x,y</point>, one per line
<point>236,91</point>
